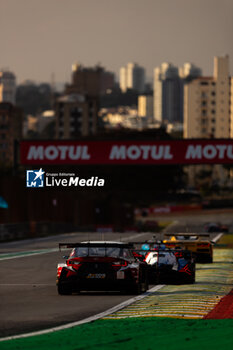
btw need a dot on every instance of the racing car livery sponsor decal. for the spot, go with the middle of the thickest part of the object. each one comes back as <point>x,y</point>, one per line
<point>39,178</point>
<point>96,275</point>
<point>127,152</point>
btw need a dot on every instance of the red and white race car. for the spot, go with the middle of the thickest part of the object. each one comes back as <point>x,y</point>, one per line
<point>170,266</point>
<point>101,266</point>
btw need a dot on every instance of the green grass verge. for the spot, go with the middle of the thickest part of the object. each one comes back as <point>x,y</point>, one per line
<point>226,240</point>
<point>133,334</point>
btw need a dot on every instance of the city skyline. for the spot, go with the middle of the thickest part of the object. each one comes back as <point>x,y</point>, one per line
<point>41,39</point>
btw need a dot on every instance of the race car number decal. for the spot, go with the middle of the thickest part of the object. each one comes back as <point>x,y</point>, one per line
<point>96,275</point>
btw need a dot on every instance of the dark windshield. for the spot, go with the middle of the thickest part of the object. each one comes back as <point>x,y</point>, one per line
<point>113,252</point>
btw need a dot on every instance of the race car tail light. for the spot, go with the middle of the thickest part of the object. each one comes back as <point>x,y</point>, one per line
<point>137,255</point>
<point>75,262</point>
<point>203,245</point>
<point>170,245</point>
<point>59,271</point>
<point>178,255</point>
<point>120,263</point>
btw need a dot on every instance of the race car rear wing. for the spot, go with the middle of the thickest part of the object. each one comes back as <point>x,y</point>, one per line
<point>94,245</point>
<point>187,235</point>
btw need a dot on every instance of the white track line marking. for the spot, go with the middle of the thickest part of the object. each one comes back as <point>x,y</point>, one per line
<point>88,319</point>
<point>28,253</point>
<point>215,239</point>
<point>161,315</point>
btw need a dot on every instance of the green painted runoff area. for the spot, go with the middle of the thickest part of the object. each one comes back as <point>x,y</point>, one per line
<point>26,253</point>
<point>133,334</point>
<point>226,240</point>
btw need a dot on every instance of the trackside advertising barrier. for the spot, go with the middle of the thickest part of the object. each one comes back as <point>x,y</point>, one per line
<point>166,209</point>
<point>127,152</point>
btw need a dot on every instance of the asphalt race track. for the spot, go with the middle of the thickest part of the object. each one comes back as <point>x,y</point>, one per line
<point>28,296</point>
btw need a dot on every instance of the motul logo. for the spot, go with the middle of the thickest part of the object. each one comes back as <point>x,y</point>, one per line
<point>143,151</point>
<point>58,152</point>
<point>209,152</point>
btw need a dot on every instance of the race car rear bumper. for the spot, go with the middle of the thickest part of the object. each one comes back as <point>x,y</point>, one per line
<point>77,283</point>
<point>204,257</point>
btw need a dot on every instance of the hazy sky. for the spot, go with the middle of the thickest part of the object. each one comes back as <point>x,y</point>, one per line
<point>41,37</point>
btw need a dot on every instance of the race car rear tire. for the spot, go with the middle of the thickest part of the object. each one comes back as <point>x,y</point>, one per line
<point>209,260</point>
<point>140,287</point>
<point>145,283</point>
<point>137,289</point>
<point>64,289</point>
<point>189,280</point>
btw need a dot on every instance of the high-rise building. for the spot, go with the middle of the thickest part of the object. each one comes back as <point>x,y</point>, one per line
<point>123,79</point>
<point>168,92</point>
<point>208,112</point>
<point>76,115</point>
<point>94,81</point>
<point>189,71</point>
<point>7,86</point>
<point>76,112</point>
<point>231,107</point>
<point>145,106</point>
<point>11,128</point>
<point>206,104</point>
<point>132,77</point>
